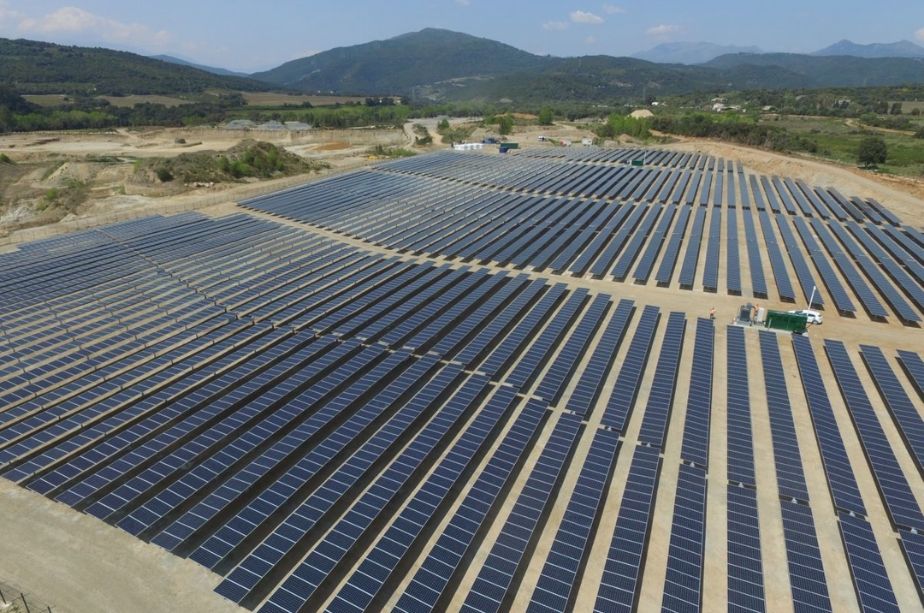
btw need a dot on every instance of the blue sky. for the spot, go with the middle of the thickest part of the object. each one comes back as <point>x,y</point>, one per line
<point>257,35</point>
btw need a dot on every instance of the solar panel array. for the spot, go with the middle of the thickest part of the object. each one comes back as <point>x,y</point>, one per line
<point>330,427</point>
<point>591,214</point>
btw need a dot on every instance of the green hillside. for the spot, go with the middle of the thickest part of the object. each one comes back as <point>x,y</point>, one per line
<point>399,64</point>
<point>826,71</point>
<point>32,67</point>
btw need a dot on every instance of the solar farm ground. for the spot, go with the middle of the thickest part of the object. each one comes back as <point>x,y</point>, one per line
<point>470,382</point>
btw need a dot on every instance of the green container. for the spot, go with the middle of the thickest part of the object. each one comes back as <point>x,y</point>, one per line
<point>638,162</point>
<point>791,322</point>
<point>510,145</point>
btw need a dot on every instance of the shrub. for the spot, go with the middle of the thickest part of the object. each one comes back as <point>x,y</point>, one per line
<point>872,151</point>
<point>546,116</point>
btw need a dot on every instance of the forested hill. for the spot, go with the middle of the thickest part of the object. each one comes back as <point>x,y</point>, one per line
<point>32,67</point>
<point>399,64</point>
<point>827,71</point>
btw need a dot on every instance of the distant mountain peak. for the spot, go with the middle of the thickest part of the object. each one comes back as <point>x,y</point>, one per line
<point>171,59</point>
<point>398,65</point>
<point>902,48</point>
<point>690,52</point>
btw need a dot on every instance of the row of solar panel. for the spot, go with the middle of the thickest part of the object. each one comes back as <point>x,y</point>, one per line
<point>650,183</point>
<point>621,241</point>
<point>649,157</point>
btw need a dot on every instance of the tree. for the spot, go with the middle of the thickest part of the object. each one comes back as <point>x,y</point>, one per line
<point>504,125</point>
<point>896,108</point>
<point>546,115</point>
<point>872,151</point>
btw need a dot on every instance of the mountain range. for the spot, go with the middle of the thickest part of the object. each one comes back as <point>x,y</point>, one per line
<point>903,48</point>
<point>689,53</point>
<point>442,65</point>
<point>32,67</point>
<point>703,52</point>
<point>212,69</point>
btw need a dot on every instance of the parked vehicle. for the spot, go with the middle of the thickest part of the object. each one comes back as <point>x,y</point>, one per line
<point>814,317</point>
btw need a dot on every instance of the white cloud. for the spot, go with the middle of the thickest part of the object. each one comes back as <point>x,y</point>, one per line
<point>585,17</point>
<point>463,2</point>
<point>73,20</point>
<point>555,26</point>
<point>662,30</point>
<point>612,9</point>
<point>8,14</point>
<point>920,35</point>
<point>590,40</point>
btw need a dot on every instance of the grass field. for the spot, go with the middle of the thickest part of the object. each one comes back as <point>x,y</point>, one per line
<point>908,106</point>
<point>838,140</point>
<point>47,99</point>
<point>280,99</point>
<point>132,100</point>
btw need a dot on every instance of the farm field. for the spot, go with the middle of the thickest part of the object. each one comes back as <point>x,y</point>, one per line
<point>463,381</point>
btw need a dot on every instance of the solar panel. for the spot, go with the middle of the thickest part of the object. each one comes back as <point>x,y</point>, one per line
<point>684,578</point>
<point>740,441</point>
<point>806,571</point>
<point>501,572</point>
<point>587,391</point>
<point>780,276</point>
<point>905,415</point>
<point>312,578</point>
<point>691,258</point>
<point>431,583</point>
<point>841,301</point>
<point>800,266</point>
<point>561,575</point>
<point>843,486</point>
<point>669,261</point>
<point>622,573</point>
<point>658,237</point>
<point>896,272</point>
<point>695,448</point>
<point>622,399</point>
<point>661,392</point>
<point>711,269</point>
<point>556,378</point>
<point>379,571</point>
<point>621,270</point>
<point>872,305</point>
<point>498,361</point>
<point>870,579</point>
<point>900,502</point>
<point>758,281</point>
<point>913,366</point>
<point>745,569</point>
<point>913,546</point>
<point>529,365</point>
<point>790,477</point>
<point>223,549</point>
<point>732,262</point>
